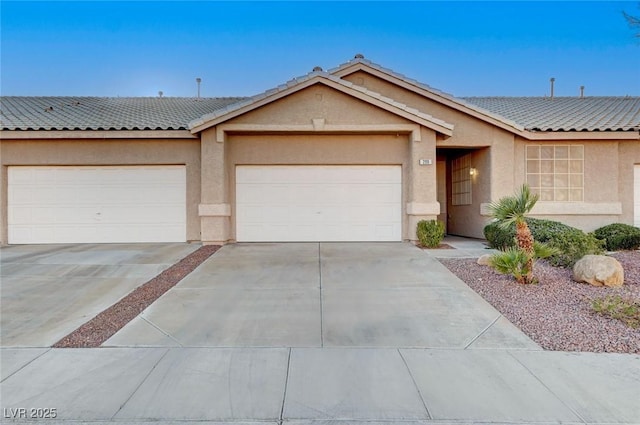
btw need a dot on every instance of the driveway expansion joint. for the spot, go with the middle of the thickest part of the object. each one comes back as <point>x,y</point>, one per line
<point>106,323</point>
<point>415,384</point>
<point>482,332</point>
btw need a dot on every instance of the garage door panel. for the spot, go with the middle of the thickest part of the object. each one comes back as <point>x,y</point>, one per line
<point>636,188</point>
<point>138,215</point>
<point>94,204</point>
<point>318,203</point>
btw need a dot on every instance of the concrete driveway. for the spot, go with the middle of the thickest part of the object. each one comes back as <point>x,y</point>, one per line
<point>301,334</point>
<point>321,295</point>
<point>50,290</point>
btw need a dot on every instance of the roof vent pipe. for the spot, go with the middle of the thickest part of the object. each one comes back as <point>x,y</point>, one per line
<point>160,93</point>
<point>553,80</point>
<point>198,81</point>
<point>581,92</point>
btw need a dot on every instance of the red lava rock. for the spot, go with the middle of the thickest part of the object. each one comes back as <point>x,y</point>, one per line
<point>108,322</point>
<point>556,313</point>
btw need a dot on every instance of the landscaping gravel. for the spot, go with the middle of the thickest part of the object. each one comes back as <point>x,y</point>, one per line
<point>104,325</point>
<point>556,313</point>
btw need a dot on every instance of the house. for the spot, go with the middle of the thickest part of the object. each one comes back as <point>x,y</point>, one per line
<point>358,153</point>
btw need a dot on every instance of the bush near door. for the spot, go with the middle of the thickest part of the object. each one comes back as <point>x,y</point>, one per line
<point>430,233</point>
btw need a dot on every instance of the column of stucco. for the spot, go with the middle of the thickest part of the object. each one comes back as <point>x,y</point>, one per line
<point>422,203</point>
<point>505,175</point>
<point>214,208</point>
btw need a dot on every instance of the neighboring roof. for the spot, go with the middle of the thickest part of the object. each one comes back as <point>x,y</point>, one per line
<point>566,113</point>
<point>105,113</point>
<point>530,113</point>
<point>318,77</point>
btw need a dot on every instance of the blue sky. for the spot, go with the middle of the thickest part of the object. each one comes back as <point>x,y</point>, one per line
<point>122,48</point>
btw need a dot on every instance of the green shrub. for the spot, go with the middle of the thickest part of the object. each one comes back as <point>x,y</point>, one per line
<point>619,236</point>
<point>545,230</point>
<point>572,245</point>
<point>515,261</point>
<point>541,230</point>
<point>627,310</point>
<point>511,261</point>
<point>498,237</point>
<point>430,233</point>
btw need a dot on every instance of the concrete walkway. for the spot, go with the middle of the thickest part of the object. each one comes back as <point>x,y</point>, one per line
<point>463,248</point>
<point>318,333</point>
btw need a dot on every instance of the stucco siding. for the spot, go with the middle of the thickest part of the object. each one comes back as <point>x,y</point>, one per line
<point>318,102</point>
<point>493,157</point>
<point>469,131</point>
<point>604,181</point>
<point>106,152</point>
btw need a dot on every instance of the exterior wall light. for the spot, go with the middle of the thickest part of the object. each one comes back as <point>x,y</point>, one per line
<point>473,171</point>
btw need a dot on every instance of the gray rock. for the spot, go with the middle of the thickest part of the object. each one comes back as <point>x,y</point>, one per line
<point>599,270</point>
<point>485,260</point>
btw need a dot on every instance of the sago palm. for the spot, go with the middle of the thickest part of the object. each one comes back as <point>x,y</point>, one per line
<point>512,210</point>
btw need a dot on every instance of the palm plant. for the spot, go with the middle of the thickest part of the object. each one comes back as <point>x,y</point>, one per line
<point>513,209</point>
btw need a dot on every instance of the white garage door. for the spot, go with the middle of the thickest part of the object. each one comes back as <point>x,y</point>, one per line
<point>96,204</point>
<point>636,196</point>
<point>318,203</point>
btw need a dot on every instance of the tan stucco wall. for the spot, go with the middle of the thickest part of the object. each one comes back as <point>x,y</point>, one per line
<point>106,152</point>
<point>493,158</point>
<point>608,178</point>
<point>468,132</point>
<point>605,163</point>
<point>318,102</point>
<point>629,155</point>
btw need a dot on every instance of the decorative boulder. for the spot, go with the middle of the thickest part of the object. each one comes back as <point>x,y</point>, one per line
<point>484,259</point>
<point>599,270</point>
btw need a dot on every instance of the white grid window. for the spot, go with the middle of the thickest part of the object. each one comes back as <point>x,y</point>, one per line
<point>461,180</point>
<point>556,172</point>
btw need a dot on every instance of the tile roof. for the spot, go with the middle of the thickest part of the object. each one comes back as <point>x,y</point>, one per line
<point>105,113</point>
<point>319,75</point>
<point>536,113</point>
<point>174,113</point>
<point>566,113</point>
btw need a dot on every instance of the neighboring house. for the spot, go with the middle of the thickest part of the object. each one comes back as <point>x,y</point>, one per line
<point>359,153</point>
